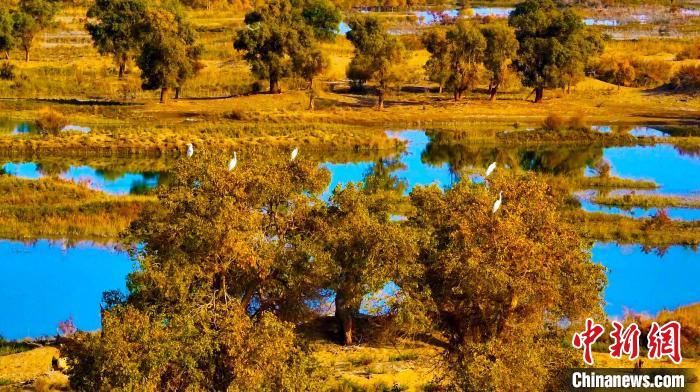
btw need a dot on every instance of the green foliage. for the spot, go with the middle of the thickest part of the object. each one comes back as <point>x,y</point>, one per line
<point>455,56</point>
<point>117,27</point>
<point>32,17</point>
<point>169,55</point>
<point>554,45</point>
<point>379,57</point>
<point>437,68</point>
<point>501,283</point>
<point>6,30</point>
<point>281,35</point>
<point>467,46</point>
<point>358,246</point>
<point>501,47</point>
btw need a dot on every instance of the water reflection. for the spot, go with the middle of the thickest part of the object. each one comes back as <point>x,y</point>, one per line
<point>441,157</point>
<point>114,181</point>
<point>46,282</point>
<point>14,127</point>
<point>645,281</point>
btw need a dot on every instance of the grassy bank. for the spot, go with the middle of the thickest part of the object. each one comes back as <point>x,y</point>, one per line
<point>649,232</point>
<point>56,209</point>
<point>646,201</point>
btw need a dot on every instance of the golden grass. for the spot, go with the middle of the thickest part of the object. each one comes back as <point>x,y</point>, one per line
<point>647,201</point>
<point>625,230</point>
<point>52,208</point>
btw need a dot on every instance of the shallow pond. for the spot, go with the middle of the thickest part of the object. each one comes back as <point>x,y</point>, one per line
<point>47,282</point>
<point>22,128</point>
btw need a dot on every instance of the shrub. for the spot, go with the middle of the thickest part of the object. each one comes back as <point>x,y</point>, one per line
<point>51,122</point>
<point>633,71</point>
<point>235,115</point>
<point>691,52</point>
<point>578,121</point>
<point>687,79</point>
<point>7,71</point>
<point>553,122</point>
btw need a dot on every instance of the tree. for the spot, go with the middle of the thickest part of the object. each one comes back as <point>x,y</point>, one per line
<point>169,55</point>
<point>501,47</point>
<point>502,285</point>
<point>455,56</point>
<point>554,43</point>
<point>467,46</point>
<point>32,17</point>
<point>6,31</point>
<point>361,248</point>
<point>378,55</point>
<point>308,63</point>
<point>223,270</point>
<point>279,29</point>
<point>117,27</point>
<point>437,68</point>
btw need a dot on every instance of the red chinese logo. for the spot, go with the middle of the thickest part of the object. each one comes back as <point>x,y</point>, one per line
<point>586,339</point>
<point>625,341</point>
<point>663,341</point>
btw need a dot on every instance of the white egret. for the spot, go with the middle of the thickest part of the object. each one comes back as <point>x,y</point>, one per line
<point>190,150</point>
<point>490,169</point>
<point>498,202</point>
<point>233,162</point>
<point>295,152</point>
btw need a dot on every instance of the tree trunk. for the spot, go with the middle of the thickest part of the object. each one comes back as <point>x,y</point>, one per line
<point>440,88</point>
<point>343,315</point>
<point>539,94</point>
<point>26,55</point>
<point>311,94</point>
<point>164,95</point>
<point>177,93</point>
<point>7,55</point>
<point>380,99</point>
<point>493,92</point>
<point>275,86</point>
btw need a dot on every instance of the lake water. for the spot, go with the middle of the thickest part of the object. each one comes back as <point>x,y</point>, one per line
<point>647,282</point>
<point>47,282</point>
<point>675,171</point>
<point>109,182</point>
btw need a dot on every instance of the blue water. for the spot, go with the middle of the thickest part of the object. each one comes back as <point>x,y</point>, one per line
<point>47,282</point>
<point>676,173</point>
<point>123,184</point>
<point>414,171</point>
<point>648,282</point>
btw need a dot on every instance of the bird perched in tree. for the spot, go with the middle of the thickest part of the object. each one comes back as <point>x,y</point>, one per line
<point>233,162</point>
<point>498,202</point>
<point>490,169</point>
